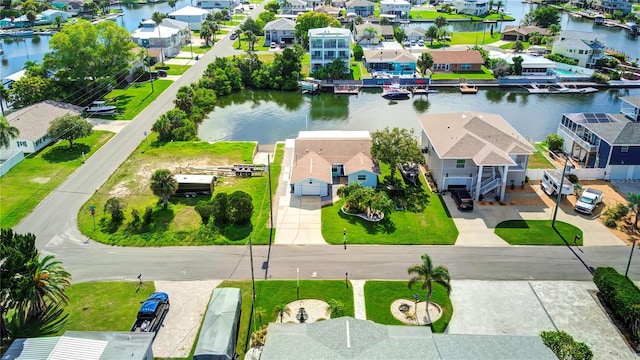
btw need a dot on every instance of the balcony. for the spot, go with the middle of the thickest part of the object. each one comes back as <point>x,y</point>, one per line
<point>567,133</point>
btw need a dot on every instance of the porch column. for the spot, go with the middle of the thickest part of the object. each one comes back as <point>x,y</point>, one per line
<point>504,182</point>
<point>476,195</point>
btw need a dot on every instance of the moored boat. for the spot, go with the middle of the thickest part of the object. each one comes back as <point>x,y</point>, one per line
<point>100,108</point>
<point>395,92</point>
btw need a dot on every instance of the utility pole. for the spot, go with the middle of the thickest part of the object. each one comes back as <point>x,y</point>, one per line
<point>559,197</point>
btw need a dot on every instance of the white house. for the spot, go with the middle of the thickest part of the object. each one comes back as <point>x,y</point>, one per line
<point>293,7</point>
<point>532,65</point>
<point>586,47</point>
<point>327,44</point>
<point>170,36</point>
<point>363,8</point>
<point>192,15</point>
<point>610,6</point>
<point>49,16</point>
<point>33,123</point>
<point>322,158</point>
<point>479,152</point>
<point>280,30</point>
<point>400,8</point>
<point>415,33</point>
<point>219,4</point>
<point>471,7</point>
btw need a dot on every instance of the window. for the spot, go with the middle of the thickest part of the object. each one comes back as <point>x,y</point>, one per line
<point>465,66</point>
<point>581,52</point>
<point>22,144</point>
<point>460,164</point>
<point>624,149</point>
<point>362,177</point>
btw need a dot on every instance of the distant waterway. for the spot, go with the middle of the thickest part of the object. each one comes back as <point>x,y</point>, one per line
<point>271,116</point>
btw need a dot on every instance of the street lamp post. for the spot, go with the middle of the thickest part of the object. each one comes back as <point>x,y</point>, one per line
<point>149,67</point>
<point>344,238</point>
<point>633,245</point>
<point>559,197</point>
<point>346,279</point>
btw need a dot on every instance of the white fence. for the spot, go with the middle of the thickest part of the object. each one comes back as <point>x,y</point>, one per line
<point>9,159</point>
<point>581,173</point>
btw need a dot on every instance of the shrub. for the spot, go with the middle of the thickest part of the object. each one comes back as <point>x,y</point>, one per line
<point>240,207</point>
<point>205,210</point>
<point>609,222</point>
<point>573,178</point>
<point>561,59</point>
<point>622,295</point>
<point>554,142</point>
<point>358,53</point>
<point>115,207</point>
<point>599,78</point>
<point>565,347</point>
<point>617,211</point>
<point>147,217</point>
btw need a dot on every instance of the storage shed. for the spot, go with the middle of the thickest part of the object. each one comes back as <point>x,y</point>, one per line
<point>219,332</point>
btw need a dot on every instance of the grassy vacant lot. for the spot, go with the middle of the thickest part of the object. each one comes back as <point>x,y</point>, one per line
<point>132,100</point>
<point>538,160</point>
<point>275,292</point>
<point>433,226</point>
<point>537,232</point>
<point>24,186</point>
<point>485,74</point>
<point>174,70</point>
<point>196,49</point>
<point>244,44</point>
<point>379,295</point>
<point>420,14</point>
<point>179,224</point>
<point>476,37</point>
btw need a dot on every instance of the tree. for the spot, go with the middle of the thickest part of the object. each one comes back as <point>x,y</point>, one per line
<point>336,69</point>
<point>280,310</point>
<point>370,33</point>
<point>518,46</point>
<point>634,204</point>
<point>58,21</point>
<point>312,20</point>
<point>517,64</point>
<point>240,207</point>
<point>396,146</point>
<point>115,207</point>
<point>251,39</point>
<point>69,127</point>
<point>424,63</point>
<point>335,308</point>
<point>363,199</point>
<point>220,209</point>
<point>358,52</point>
<point>184,99</point>
<point>384,20</point>
<point>428,276</point>
<point>543,16</point>
<point>272,7</point>
<point>260,313</point>
<point>238,33</point>
<point>206,31</point>
<point>49,284</point>
<point>499,4</point>
<point>7,132</point>
<point>491,4</point>
<point>431,33</point>
<point>169,122</point>
<point>163,184</point>
<point>157,18</point>
<point>30,90</point>
<point>443,35</point>
<point>205,210</point>
<point>251,25</point>
<point>172,4</point>
<point>440,21</point>
<point>554,142</point>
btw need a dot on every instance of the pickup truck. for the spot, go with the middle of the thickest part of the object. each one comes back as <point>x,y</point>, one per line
<point>152,313</point>
<point>588,201</point>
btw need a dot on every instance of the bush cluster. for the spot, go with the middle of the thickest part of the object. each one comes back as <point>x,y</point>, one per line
<point>565,347</point>
<point>224,209</point>
<point>599,78</point>
<point>622,295</point>
<point>614,213</point>
<point>561,59</point>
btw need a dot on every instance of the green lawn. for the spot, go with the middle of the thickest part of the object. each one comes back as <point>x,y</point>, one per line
<point>132,100</point>
<point>104,306</point>
<point>197,49</point>
<point>379,295</point>
<point>174,70</point>
<point>29,182</point>
<point>476,37</point>
<point>537,232</point>
<point>509,46</point>
<point>420,14</point>
<point>274,292</point>
<point>538,160</point>
<point>485,74</point>
<point>359,70</point>
<point>306,64</point>
<point>179,224</point>
<point>432,226</point>
<point>257,46</point>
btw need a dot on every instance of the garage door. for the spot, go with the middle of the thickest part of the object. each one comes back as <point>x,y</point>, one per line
<point>618,172</point>
<point>456,183</point>
<point>314,189</point>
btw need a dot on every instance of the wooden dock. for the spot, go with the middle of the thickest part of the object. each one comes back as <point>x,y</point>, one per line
<point>346,89</point>
<point>420,90</point>
<point>466,89</point>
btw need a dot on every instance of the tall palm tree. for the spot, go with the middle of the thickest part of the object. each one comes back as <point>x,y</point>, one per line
<point>251,38</point>
<point>424,63</point>
<point>7,132</point>
<point>335,308</point>
<point>431,33</point>
<point>50,282</point>
<point>157,18</point>
<point>238,34</point>
<point>426,275</point>
<point>499,4</point>
<point>280,310</point>
<point>163,184</point>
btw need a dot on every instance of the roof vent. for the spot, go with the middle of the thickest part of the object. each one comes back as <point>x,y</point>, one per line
<point>464,116</point>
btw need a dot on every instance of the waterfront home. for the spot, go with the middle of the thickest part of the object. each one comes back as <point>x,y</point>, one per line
<point>49,16</point>
<point>329,10</point>
<point>471,7</point>
<point>415,34</point>
<point>368,34</point>
<point>219,4</point>
<point>169,37</point>
<point>328,44</point>
<point>74,7</point>
<point>6,23</point>
<point>390,61</point>
<point>399,8</point>
<point>293,7</point>
<point>192,15</point>
<point>322,158</point>
<point>479,152</point>
<point>279,30</point>
<point>363,8</point>
<point>585,47</point>
<point>33,123</point>
<point>456,60</point>
<point>605,141</point>
<point>522,33</point>
<point>531,65</point>
<point>610,6</point>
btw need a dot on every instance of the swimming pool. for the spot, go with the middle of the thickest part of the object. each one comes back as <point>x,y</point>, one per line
<point>564,73</point>
<point>572,75</point>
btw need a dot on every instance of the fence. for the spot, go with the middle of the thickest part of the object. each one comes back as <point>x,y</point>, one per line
<point>9,159</point>
<point>581,173</point>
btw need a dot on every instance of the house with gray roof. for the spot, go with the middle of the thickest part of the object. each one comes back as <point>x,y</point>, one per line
<point>349,338</point>
<point>415,33</point>
<point>605,141</point>
<point>279,30</point>
<point>363,8</point>
<point>479,152</point>
<point>585,47</point>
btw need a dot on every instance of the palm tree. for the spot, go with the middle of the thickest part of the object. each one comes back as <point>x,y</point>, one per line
<point>431,33</point>
<point>280,310</point>
<point>157,18</point>
<point>7,132</point>
<point>251,38</point>
<point>440,21</point>
<point>206,31</point>
<point>58,21</point>
<point>163,184</point>
<point>184,99</point>
<point>238,34</point>
<point>335,308</point>
<point>427,275</point>
<point>172,4</point>
<point>424,63</point>
<point>491,3</point>
<point>370,33</point>
<point>259,313</point>
<point>50,282</point>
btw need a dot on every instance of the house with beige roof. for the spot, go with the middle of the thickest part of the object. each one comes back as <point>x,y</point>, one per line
<point>322,158</point>
<point>456,60</point>
<point>522,33</point>
<point>479,152</point>
<point>388,61</point>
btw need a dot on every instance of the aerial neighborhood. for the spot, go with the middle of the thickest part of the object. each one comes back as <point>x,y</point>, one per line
<point>306,179</point>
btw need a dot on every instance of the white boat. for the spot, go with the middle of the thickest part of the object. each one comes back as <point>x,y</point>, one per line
<point>21,33</point>
<point>395,92</point>
<point>100,108</point>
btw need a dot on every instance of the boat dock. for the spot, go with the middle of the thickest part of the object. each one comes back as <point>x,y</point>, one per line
<point>421,90</point>
<point>534,88</point>
<point>468,89</point>
<point>346,89</point>
<point>309,86</point>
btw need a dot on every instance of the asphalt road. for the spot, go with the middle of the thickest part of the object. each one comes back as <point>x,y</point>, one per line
<point>54,223</point>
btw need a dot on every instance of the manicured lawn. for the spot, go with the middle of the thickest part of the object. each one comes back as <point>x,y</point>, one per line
<point>175,70</point>
<point>306,64</point>
<point>257,46</point>
<point>476,37</point>
<point>197,49</point>
<point>379,295</point>
<point>432,14</point>
<point>485,74</point>
<point>132,100</point>
<point>432,226</point>
<point>29,182</point>
<point>274,292</point>
<point>266,58</point>
<point>509,46</point>
<point>104,306</point>
<point>538,160</point>
<point>179,224</point>
<point>537,232</point>
<point>359,70</point>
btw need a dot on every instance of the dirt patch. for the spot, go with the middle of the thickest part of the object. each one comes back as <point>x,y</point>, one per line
<point>315,309</point>
<point>407,312</point>
<point>40,180</point>
<point>121,190</point>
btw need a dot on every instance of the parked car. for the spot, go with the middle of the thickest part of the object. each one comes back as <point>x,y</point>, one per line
<point>251,7</point>
<point>463,199</point>
<point>407,44</point>
<point>420,43</point>
<point>226,18</point>
<point>238,10</point>
<point>233,36</point>
<point>588,201</point>
<point>162,73</point>
<point>152,313</point>
<point>283,45</point>
<point>273,45</point>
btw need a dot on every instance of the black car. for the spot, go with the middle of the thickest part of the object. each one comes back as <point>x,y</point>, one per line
<point>463,199</point>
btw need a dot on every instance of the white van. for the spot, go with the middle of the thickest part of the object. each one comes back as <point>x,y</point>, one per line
<point>551,183</point>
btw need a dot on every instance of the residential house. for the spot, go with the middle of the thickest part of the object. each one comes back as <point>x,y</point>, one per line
<point>415,33</point>
<point>610,6</point>
<point>33,123</point>
<point>349,338</point>
<point>291,7</point>
<point>75,7</point>
<point>219,4</point>
<point>169,37</point>
<point>49,16</point>
<point>399,8</point>
<point>471,7</point>
<point>605,141</point>
<point>456,60</point>
<point>329,10</point>
<point>363,8</point>
<point>342,4</point>
<point>389,61</point>
<point>280,30</point>
<point>328,44</point>
<point>322,158</point>
<point>532,65</point>
<point>586,47</point>
<point>192,15</point>
<point>513,33</point>
<point>6,23</point>
<point>479,152</point>
<point>367,34</point>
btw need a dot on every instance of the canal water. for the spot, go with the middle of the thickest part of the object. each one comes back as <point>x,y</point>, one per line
<point>271,116</point>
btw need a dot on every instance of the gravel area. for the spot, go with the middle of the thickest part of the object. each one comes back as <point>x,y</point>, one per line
<point>315,309</point>
<point>435,312</point>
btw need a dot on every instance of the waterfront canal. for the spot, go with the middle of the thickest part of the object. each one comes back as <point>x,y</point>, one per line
<point>271,116</point>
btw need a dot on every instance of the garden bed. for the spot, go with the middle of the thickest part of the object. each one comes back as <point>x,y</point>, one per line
<point>375,216</point>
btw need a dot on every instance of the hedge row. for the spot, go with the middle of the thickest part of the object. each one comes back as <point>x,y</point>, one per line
<point>621,294</point>
<point>565,347</point>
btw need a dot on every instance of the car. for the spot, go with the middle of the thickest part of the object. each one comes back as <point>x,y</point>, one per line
<point>152,313</point>
<point>463,199</point>
<point>413,43</point>
<point>420,43</point>
<point>283,44</point>
<point>273,45</point>
<point>245,2</point>
<point>251,7</point>
<point>226,18</point>
<point>233,36</point>
<point>162,73</point>
<point>407,44</point>
<point>238,10</point>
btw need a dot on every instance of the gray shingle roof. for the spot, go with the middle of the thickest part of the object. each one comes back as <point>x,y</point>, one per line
<point>281,24</point>
<point>34,120</point>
